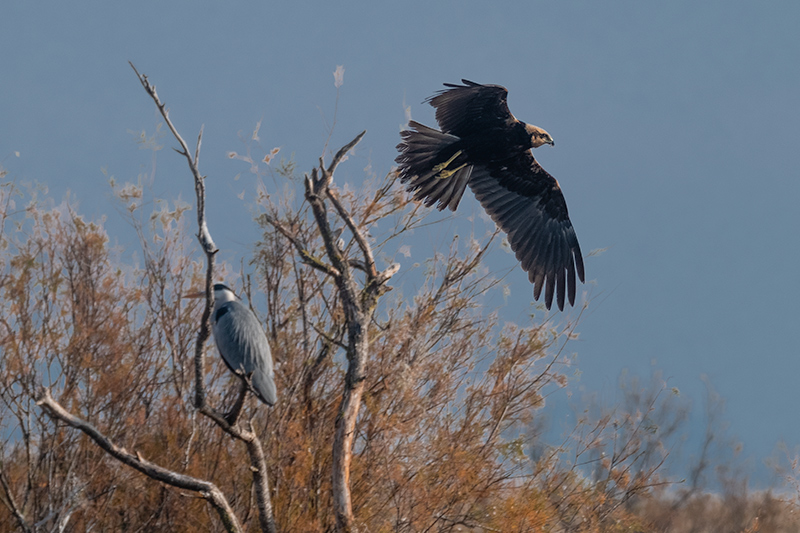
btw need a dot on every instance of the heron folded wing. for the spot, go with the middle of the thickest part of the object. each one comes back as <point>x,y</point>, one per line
<point>244,348</point>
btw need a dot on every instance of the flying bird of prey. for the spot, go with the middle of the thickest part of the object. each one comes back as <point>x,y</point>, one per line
<point>481,144</point>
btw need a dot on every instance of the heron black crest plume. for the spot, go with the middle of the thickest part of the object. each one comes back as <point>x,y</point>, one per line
<point>481,144</point>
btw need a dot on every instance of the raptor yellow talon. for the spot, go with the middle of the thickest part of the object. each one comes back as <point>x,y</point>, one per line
<point>442,166</point>
<point>444,174</point>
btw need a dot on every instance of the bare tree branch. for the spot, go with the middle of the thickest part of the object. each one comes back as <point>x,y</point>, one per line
<point>204,236</point>
<point>359,237</point>
<point>307,257</point>
<point>207,490</point>
<point>259,468</point>
<point>328,174</point>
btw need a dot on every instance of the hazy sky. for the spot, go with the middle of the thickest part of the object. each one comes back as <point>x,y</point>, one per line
<point>676,129</point>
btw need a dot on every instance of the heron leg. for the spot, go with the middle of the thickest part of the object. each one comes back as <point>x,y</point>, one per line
<point>233,415</point>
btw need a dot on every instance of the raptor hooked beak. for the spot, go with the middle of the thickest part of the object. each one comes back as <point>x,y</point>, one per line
<point>551,142</point>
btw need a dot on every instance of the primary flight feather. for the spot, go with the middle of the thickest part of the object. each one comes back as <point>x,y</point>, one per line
<point>481,144</point>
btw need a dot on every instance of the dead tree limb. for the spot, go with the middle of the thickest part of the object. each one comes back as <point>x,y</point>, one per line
<point>358,304</point>
<point>206,489</point>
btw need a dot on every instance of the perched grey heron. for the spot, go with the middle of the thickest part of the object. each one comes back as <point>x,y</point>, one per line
<point>241,342</point>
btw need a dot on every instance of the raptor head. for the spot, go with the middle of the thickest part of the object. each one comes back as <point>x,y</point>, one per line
<point>538,136</point>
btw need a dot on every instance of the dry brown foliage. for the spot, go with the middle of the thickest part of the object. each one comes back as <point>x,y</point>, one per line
<point>450,390</point>
<point>447,383</point>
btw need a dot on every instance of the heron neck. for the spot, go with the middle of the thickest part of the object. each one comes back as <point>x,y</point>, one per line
<point>222,299</point>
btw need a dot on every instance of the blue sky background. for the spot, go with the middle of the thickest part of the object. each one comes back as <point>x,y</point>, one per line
<point>676,128</point>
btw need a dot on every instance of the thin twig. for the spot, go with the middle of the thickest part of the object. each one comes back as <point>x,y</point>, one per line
<point>12,504</point>
<point>307,257</point>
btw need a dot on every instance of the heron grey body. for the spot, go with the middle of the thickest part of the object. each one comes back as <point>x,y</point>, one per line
<point>242,344</point>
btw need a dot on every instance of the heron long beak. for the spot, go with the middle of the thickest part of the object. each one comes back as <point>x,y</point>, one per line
<point>201,294</point>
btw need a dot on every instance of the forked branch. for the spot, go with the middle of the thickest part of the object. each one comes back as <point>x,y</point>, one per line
<point>358,304</point>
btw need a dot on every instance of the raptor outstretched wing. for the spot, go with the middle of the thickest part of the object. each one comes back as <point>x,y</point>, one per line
<point>527,204</point>
<point>464,110</point>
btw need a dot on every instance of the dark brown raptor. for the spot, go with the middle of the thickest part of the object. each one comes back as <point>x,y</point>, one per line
<point>481,144</point>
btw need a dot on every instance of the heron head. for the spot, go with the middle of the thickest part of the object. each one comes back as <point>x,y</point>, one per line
<point>538,136</point>
<point>222,294</point>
